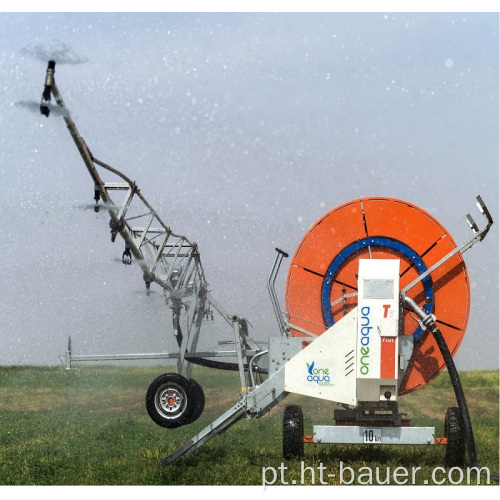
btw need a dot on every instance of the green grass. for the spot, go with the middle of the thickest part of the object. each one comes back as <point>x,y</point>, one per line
<point>90,427</point>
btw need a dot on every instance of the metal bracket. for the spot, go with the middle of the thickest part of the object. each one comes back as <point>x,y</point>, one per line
<point>479,235</point>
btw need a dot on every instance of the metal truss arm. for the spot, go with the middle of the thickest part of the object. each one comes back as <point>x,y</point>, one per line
<point>169,259</point>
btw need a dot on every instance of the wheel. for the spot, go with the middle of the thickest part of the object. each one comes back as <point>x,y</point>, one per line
<point>293,431</point>
<point>170,401</point>
<point>199,400</point>
<point>454,454</point>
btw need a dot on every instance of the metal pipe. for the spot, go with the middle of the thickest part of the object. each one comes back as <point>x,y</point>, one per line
<point>250,366</point>
<point>239,351</point>
<point>272,292</point>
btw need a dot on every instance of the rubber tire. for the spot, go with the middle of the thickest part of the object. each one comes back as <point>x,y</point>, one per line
<point>184,407</point>
<point>199,400</point>
<point>293,432</point>
<point>454,454</point>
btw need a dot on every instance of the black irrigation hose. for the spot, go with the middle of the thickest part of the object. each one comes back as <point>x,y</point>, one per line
<point>428,322</point>
<point>459,394</point>
<point>221,365</point>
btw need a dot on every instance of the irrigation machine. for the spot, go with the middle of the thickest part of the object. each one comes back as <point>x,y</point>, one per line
<point>376,305</point>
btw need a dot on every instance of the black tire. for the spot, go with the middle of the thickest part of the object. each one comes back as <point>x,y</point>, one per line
<point>199,400</point>
<point>293,432</point>
<point>169,400</point>
<point>454,453</point>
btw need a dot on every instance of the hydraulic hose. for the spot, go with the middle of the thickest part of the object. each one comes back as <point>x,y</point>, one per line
<point>459,393</point>
<point>222,365</point>
<point>428,321</point>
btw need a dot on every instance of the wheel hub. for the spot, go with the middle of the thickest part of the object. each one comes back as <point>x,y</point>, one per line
<point>170,401</point>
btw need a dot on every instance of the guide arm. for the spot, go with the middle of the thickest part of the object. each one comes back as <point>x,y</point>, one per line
<point>168,259</point>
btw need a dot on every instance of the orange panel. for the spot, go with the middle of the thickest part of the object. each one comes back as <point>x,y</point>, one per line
<point>388,357</point>
<point>304,310</point>
<point>328,236</point>
<point>404,222</point>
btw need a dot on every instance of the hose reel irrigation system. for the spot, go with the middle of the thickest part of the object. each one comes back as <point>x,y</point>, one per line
<point>377,303</point>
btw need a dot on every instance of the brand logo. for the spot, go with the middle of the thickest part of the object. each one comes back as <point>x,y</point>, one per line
<point>364,340</point>
<point>320,376</point>
<point>388,312</point>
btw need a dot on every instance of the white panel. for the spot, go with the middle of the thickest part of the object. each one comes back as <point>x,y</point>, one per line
<point>350,434</point>
<point>326,368</point>
<point>378,304</point>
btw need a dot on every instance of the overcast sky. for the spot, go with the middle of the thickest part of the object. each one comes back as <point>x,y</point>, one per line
<point>242,130</point>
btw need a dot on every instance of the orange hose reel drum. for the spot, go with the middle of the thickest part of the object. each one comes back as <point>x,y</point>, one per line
<point>323,273</point>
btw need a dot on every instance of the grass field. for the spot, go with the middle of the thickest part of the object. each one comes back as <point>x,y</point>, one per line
<point>90,427</point>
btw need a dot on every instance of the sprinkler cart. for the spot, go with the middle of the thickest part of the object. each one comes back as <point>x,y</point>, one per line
<point>377,303</point>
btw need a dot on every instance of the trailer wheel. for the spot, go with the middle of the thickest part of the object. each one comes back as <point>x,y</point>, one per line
<point>169,400</point>
<point>293,431</point>
<point>198,396</point>
<point>454,454</point>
